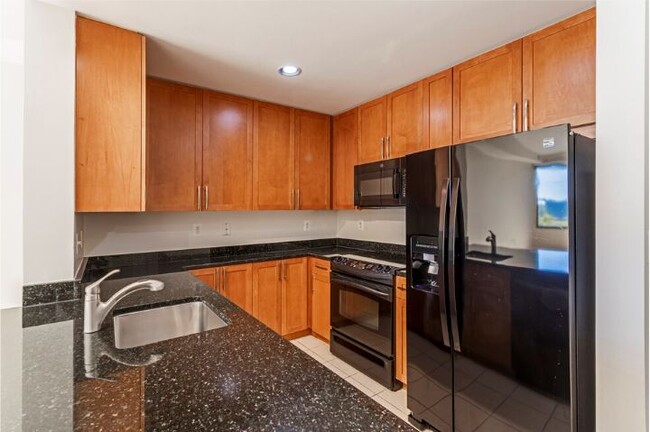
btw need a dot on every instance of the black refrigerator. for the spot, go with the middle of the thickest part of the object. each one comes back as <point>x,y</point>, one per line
<point>500,284</point>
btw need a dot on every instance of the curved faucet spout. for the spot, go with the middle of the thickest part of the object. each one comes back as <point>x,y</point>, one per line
<point>95,310</point>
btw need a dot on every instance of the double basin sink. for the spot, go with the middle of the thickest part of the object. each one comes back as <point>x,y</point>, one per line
<point>143,327</point>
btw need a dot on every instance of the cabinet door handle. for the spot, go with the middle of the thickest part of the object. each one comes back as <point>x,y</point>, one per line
<point>207,200</point>
<point>222,278</point>
<point>284,270</point>
<point>293,199</point>
<point>382,147</point>
<point>279,271</point>
<point>525,114</point>
<point>514,117</point>
<point>198,197</point>
<point>388,147</point>
<point>298,199</point>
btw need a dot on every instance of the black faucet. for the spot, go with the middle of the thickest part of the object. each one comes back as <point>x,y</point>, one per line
<point>492,239</point>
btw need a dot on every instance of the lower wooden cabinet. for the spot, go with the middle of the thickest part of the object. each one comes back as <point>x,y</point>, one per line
<point>320,297</point>
<point>295,299</point>
<point>267,294</point>
<point>289,296</point>
<point>400,329</point>
<point>237,285</point>
<point>207,275</point>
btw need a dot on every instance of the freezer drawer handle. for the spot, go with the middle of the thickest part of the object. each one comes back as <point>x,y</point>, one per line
<point>441,243</point>
<point>451,266</point>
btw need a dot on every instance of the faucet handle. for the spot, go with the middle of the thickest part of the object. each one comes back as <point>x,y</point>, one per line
<point>93,288</point>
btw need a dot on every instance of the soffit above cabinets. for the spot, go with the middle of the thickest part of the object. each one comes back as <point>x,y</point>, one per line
<point>350,51</point>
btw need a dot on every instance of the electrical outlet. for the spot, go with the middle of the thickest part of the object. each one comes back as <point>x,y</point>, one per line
<point>196,229</point>
<point>360,225</point>
<point>225,229</point>
<point>306,225</point>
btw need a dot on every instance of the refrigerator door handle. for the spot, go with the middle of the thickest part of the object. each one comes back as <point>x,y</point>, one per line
<point>442,228</point>
<point>451,276</point>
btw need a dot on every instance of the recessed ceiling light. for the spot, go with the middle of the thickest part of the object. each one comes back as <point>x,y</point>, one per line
<point>289,70</point>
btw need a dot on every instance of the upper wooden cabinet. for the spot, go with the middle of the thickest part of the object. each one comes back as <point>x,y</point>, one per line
<point>344,151</point>
<point>372,131</point>
<point>559,73</point>
<point>405,121</point>
<point>438,109</point>
<point>227,152</point>
<point>173,146</point>
<point>267,294</point>
<point>312,162</point>
<point>273,157</point>
<point>487,94</point>
<point>295,299</point>
<point>110,123</point>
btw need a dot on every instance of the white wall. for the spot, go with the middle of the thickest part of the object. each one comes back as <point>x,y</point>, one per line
<point>379,225</point>
<point>120,233</point>
<point>621,216</point>
<point>49,143</point>
<point>12,69</point>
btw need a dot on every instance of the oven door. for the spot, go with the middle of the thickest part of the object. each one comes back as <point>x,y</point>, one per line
<point>363,311</point>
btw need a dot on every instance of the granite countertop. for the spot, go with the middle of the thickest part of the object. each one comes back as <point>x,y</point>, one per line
<point>239,377</point>
<point>158,263</point>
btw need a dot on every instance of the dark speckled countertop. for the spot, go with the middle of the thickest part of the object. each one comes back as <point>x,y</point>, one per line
<point>240,377</point>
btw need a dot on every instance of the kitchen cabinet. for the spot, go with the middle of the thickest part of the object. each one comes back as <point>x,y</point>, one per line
<point>207,276</point>
<point>559,73</point>
<point>438,109</point>
<point>372,131</point>
<point>344,158</point>
<point>228,152</point>
<point>320,297</point>
<point>295,301</point>
<point>173,146</point>
<point>273,157</point>
<point>267,294</point>
<point>487,94</point>
<point>312,160</point>
<point>236,284</point>
<point>110,118</point>
<point>405,121</point>
<point>400,329</point>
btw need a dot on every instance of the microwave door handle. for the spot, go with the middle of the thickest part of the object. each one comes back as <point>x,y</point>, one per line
<point>453,304</point>
<point>442,228</point>
<point>397,183</point>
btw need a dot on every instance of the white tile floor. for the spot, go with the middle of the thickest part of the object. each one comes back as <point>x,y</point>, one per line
<point>394,401</point>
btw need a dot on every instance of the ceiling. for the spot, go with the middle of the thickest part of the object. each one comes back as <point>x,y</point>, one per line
<point>350,51</point>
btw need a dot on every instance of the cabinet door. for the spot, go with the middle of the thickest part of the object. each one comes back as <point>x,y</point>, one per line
<point>312,136</point>
<point>345,146</point>
<point>110,103</point>
<point>372,131</point>
<point>320,298</point>
<point>438,109</point>
<point>405,121</point>
<point>237,285</point>
<point>173,146</point>
<point>487,94</point>
<point>227,152</point>
<point>295,291</point>
<point>208,276</point>
<point>559,72</point>
<point>400,329</point>
<point>273,156</point>
<point>267,294</point>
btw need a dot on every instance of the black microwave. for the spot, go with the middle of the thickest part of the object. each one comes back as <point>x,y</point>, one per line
<point>380,184</point>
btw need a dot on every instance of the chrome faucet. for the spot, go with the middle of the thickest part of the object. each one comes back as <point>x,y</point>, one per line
<point>95,347</point>
<point>492,239</point>
<point>95,310</point>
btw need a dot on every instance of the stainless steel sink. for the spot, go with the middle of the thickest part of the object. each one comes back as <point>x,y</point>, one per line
<point>149,326</point>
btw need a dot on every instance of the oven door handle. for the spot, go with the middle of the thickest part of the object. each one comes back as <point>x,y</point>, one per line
<point>361,286</point>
